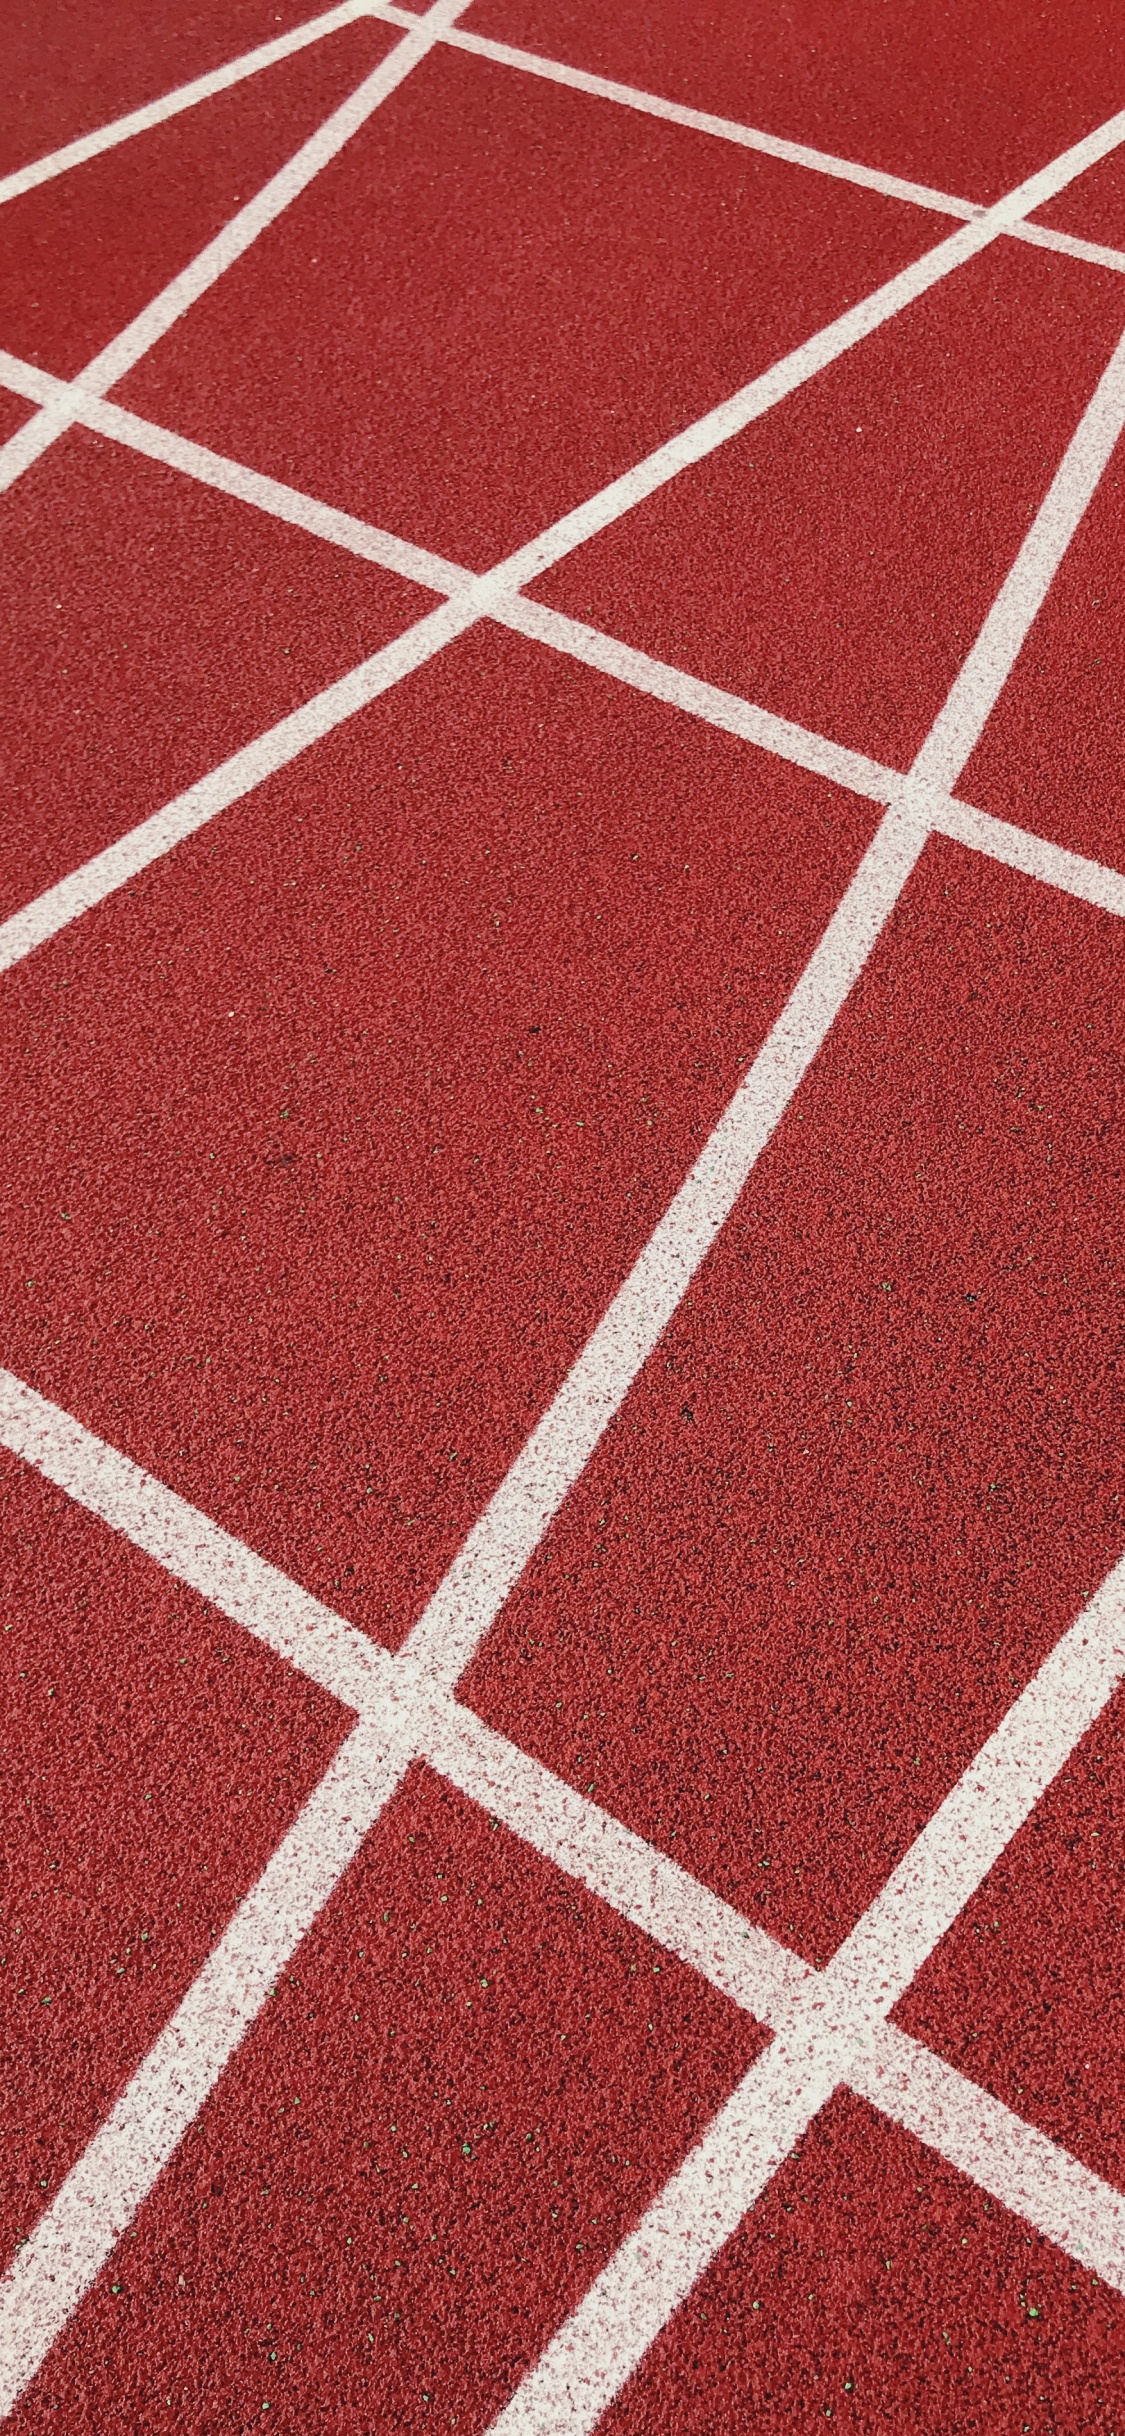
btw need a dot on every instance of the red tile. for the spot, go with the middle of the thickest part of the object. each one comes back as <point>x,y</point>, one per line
<point>873,1469</point>
<point>362,1103</point>
<point>837,559</point>
<point>154,1757</point>
<point>1094,206</point>
<point>1025,1992</point>
<point>69,69</point>
<point>875,2288</point>
<point>471,2083</point>
<point>961,97</point>
<point>152,626</point>
<point>85,253</point>
<point>1052,757</point>
<point>502,294</point>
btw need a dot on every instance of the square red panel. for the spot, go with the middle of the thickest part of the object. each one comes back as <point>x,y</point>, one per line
<point>509,292</point>
<point>333,1136</point>
<point>1025,1992</point>
<point>836,560</point>
<point>151,627</point>
<point>70,69</point>
<point>871,2288</point>
<point>1052,757</point>
<point>471,2083</point>
<point>874,1467</point>
<point>87,251</point>
<point>967,98</point>
<point>154,1758</point>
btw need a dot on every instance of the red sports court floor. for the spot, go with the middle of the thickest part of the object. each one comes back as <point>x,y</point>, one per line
<point>561,1428</point>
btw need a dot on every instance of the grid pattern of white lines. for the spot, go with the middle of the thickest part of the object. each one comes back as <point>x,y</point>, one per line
<point>830,2027</point>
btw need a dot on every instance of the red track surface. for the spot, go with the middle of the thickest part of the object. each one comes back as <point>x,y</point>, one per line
<point>560,1224</point>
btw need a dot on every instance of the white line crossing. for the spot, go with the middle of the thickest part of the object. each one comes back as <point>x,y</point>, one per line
<point>829,2026</point>
<point>37,2295</point>
<point>555,71</point>
<point>495,593</point>
<point>157,318</point>
<point>183,97</point>
<point>595,2352</point>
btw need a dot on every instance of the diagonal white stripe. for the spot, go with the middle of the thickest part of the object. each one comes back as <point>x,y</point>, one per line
<point>240,232</point>
<point>184,97</point>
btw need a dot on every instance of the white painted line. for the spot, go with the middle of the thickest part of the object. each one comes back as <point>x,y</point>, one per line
<point>577,2376</point>
<point>196,1550</point>
<point>757,139</point>
<point>836,2034</point>
<point>966,710</point>
<point>728,711</point>
<point>124,2160</point>
<point>701,122</point>
<point>704,122</point>
<point>50,912</point>
<point>973,2131</point>
<point>1095,883</point>
<point>621,1868</point>
<point>243,482</point>
<point>240,232</point>
<point>997,2150</point>
<point>979,1816</point>
<point>830,2016</point>
<point>1076,874</point>
<point>1055,866</point>
<point>805,361</point>
<point>100,2196</point>
<point>154,838</point>
<point>512,1524</point>
<point>588,2361</point>
<point>1059,241</point>
<point>184,97</point>
<point>593,2353</point>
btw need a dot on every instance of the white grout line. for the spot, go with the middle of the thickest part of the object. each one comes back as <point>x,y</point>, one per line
<point>71,2242</point>
<point>184,97</point>
<point>157,318</point>
<point>755,139</point>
